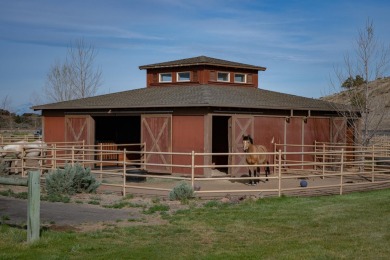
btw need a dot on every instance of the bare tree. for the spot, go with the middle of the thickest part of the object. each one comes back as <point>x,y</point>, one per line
<point>369,63</point>
<point>77,77</point>
<point>58,85</point>
<point>85,78</point>
<point>5,106</point>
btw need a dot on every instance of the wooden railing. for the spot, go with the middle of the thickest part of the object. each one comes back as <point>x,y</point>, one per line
<point>333,166</point>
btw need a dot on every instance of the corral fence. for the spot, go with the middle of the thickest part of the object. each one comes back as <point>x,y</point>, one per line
<point>321,168</point>
<point>9,139</point>
<point>33,204</point>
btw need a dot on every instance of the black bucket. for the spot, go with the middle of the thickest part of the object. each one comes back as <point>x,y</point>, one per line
<point>136,178</point>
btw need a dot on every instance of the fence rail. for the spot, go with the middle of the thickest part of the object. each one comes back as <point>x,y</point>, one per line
<point>336,168</point>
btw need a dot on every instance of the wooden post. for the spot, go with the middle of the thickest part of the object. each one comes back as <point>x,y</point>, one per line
<point>73,155</point>
<point>101,159</point>
<point>280,174</point>
<point>323,160</point>
<point>54,156</point>
<point>22,162</point>
<point>33,206</point>
<point>373,163</point>
<point>192,169</point>
<point>144,157</point>
<point>124,173</point>
<point>83,153</point>
<point>341,171</point>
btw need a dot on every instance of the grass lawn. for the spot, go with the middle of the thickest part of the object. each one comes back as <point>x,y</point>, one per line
<point>354,226</point>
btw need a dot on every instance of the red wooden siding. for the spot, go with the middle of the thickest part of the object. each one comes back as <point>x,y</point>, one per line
<point>268,129</point>
<point>156,134</point>
<point>315,129</point>
<point>294,136</point>
<point>54,128</point>
<point>201,75</point>
<point>188,135</point>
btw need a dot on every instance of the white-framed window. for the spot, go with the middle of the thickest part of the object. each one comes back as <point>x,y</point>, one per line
<point>223,76</point>
<point>165,77</point>
<point>184,76</point>
<point>239,78</point>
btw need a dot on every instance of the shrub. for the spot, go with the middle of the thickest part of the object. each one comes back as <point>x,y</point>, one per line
<point>71,180</point>
<point>3,168</point>
<point>183,191</point>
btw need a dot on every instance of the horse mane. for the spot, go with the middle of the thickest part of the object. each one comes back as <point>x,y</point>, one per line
<point>247,137</point>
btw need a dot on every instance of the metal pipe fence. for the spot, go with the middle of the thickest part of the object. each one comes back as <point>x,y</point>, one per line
<point>324,167</point>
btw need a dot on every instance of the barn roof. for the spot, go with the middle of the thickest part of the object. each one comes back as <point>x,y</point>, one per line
<point>201,60</point>
<point>194,96</point>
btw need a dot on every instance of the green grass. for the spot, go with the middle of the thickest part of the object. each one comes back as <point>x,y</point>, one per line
<point>354,226</point>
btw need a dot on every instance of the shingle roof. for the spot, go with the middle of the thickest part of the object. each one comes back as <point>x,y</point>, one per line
<point>194,96</point>
<point>201,60</point>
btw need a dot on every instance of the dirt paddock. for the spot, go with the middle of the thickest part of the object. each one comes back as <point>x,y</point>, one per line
<point>220,186</point>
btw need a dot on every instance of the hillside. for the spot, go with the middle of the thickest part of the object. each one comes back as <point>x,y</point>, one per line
<point>379,93</point>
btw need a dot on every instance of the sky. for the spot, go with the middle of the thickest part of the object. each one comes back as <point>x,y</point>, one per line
<point>300,42</point>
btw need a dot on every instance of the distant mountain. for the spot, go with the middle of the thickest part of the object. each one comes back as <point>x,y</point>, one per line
<point>25,108</point>
<point>379,92</point>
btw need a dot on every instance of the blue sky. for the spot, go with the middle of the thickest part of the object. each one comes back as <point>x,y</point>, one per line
<point>298,41</point>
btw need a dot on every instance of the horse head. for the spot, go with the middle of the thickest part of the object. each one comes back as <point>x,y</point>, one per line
<point>247,141</point>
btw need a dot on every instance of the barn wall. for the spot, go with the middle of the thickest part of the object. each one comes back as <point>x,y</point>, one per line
<point>54,128</point>
<point>200,75</point>
<point>268,129</point>
<point>188,135</point>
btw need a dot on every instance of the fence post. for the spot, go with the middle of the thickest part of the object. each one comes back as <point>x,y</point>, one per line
<point>341,171</point>
<point>33,206</point>
<point>22,162</point>
<point>54,163</point>
<point>373,163</point>
<point>144,157</point>
<point>124,173</point>
<point>73,155</point>
<point>323,160</point>
<point>192,169</point>
<point>280,173</point>
<point>83,153</point>
<point>101,159</point>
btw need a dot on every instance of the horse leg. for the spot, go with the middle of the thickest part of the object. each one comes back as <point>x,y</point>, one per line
<point>267,171</point>
<point>250,175</point>
<point>257,171</point>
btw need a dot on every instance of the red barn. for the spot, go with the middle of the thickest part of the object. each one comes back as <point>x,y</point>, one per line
<point>199,104</point>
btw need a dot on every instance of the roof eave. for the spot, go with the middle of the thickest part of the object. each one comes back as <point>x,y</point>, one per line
<point>258,68</point>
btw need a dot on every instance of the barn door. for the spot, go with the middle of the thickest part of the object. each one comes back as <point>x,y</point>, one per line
<point>156,134</point>
<point>240,125</point>
<point>339,126</point>
<point>79,128</point>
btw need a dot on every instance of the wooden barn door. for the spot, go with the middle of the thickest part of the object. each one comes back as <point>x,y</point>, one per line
<point>240,125</point>
<point>79,128</point>
<point>339,126</point>
<point>156,134</point>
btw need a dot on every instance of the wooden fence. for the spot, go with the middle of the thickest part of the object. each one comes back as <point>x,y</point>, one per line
<point>34,198</point>
<point>9,139</point>
<point>332,168</point>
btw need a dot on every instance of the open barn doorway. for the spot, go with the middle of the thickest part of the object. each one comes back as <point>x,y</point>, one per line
<point>119,133</point>
<point>220,141</point>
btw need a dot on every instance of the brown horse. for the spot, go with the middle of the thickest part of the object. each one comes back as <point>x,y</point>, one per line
<point>253,159</point>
